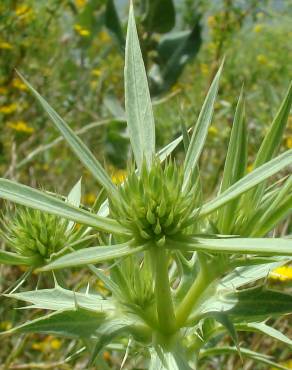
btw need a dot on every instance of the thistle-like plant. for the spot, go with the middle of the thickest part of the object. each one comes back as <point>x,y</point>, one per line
<point>179,259</point>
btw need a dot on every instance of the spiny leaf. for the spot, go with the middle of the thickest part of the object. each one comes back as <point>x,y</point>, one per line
<point>235,165</point>
<point>201,128</point>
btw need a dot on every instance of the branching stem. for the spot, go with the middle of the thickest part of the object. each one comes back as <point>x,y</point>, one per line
<point>165,309</point>
<point>194,294</point>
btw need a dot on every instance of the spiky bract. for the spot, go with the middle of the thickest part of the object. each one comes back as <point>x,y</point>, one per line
<point>154,204</point>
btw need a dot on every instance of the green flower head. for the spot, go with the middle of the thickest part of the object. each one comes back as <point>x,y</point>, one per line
<point>35,234</point>
<point>154,204</point>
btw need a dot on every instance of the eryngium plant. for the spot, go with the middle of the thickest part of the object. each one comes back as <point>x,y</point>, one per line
<point>181,262</point>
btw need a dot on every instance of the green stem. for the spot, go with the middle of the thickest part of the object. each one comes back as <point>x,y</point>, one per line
<point>164,303</point>
<point>194,294</point>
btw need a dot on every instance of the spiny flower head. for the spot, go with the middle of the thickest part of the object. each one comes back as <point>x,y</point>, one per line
<point>154,204</point>
<point>33,233</point>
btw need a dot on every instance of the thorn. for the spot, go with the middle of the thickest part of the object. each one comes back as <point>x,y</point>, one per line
<point>55,280</point>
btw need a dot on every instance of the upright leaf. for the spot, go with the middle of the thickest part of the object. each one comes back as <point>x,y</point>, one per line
<point>76,144</point>
<point>201,129</point>
<point>235,165</point>
<point>270,145</point>
<point>137,99</point>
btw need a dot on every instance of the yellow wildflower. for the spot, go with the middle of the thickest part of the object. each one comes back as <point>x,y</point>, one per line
<point>39,346</point>
<point>21,126</point>
<point>18,84</point>
<point>55,343</point>
<point>249,168</point>
<point>89,198</point>
<point>104,37</point>
<point>101,288</point>
<point>8,109</point>
<point>96,72</point>
<point>258,28</point>
<point>118,176</point>
<point>289,142</point>
<point>47,344</point>
<point>106,356</point>
<point>204,68</point>
<point>3,90</point>
<point>262,59</point>
<point>5,325</point>
<point>213,130</point>
<point>80,3</point>
<point>287,364</point>
<point>5,45</point>
<point>81,31</point>
<point>283,273</point>
<point>93,84</point>
<point>211,21</point>
<point>22,9</point>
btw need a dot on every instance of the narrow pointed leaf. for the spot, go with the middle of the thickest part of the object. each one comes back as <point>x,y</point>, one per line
<point>76,144</point>
<point>29,197</point>
<point>249,181</point>
<point>281,205</point>
<point>273,138</point>
<point>92,255</point>
<point>137,98</point>
<point>261,246</point>
<point>235,165</point>
<point>270,145</point>
<point>201,128</point>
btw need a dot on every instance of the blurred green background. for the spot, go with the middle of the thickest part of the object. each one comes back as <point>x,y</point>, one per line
<point>72,52</point>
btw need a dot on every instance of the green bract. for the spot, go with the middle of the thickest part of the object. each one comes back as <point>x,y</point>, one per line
<point>185,268</point>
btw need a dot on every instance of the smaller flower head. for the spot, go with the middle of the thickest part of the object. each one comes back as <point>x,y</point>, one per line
<point>35,234</point>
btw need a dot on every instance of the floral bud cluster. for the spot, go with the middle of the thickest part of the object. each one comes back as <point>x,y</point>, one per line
<point>32,233</point>
<point>154,204</point>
